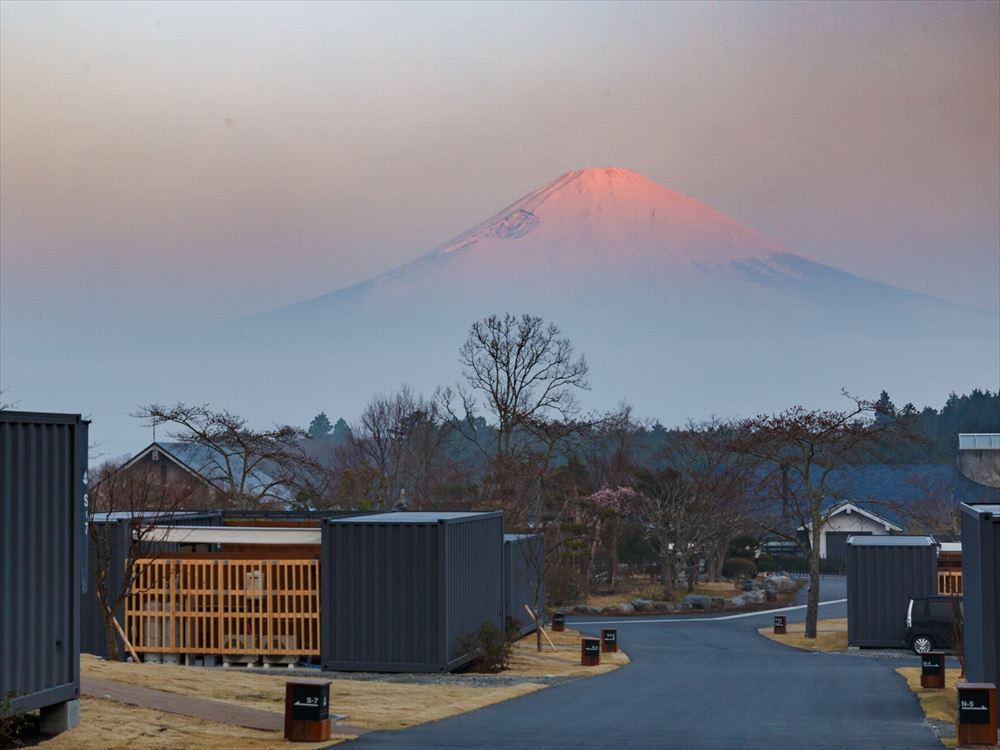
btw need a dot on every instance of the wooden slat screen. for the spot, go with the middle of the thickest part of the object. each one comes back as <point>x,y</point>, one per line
<point>253,607</point>
<point>950,582</point>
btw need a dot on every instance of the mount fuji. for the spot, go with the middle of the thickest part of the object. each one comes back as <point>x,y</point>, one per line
<point>679,309</point>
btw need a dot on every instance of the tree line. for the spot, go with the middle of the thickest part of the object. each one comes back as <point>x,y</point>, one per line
<point>605,489</point>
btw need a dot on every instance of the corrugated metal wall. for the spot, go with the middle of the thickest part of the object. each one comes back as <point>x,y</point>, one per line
<point>92,633</point>
<point>524,565</point>
<point>43,461</point>
<point>474,578</point>
<point>981,599</point>
<point>880,582</point>
<point>397,597</point>
<point>379,603</point>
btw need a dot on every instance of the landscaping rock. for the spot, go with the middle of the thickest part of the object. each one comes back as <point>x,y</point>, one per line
<point>771,595</point>
<point>780,584</point>
<point>661,606</point>
<point>642,605</point>
<point>683,606</point>
<point>736,601</point>
<point>718,602</point>
<point>755,597</point>
<point>586,609</point>
<point>697,601</point>
<point>625,608</point>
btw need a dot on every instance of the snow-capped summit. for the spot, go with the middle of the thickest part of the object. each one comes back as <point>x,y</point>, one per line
<point>597,216</point>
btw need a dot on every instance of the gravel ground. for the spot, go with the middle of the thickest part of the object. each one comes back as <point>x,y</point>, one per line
<point>439,678</point>
<point>466,679</point>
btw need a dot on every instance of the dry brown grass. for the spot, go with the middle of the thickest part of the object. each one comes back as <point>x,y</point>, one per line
<point>106,725</point>
<point>373,705</point>
<point>831,635</point>
<point>937,704</point>
<point>368,704</point>
<point>565,662</point>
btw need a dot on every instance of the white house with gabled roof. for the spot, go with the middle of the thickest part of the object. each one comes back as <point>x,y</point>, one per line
<point>845,519</point>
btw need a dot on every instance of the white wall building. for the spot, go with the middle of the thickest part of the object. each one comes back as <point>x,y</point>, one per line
<point>845,519</point>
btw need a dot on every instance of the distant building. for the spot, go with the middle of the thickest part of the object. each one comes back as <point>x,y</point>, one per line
<point>845,519</point>
<point>979,457</point>
<point>211,470</point>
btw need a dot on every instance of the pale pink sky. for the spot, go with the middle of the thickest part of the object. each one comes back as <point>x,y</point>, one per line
<point>193,161</point>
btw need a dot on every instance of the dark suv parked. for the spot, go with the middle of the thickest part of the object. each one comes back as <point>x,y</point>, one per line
<point>932,622</point>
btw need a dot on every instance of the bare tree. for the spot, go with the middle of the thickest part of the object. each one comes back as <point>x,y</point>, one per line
<point>526,375</point>
<point>806,448</point>
<point>251,469</point>
<point>696,503</point>
<point>936,511</point>
<point>403,439</point>
<point>125,505</point>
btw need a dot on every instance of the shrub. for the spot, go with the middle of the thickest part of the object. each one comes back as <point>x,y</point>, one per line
<point>739,567</point>
<point>12,724</point>
<point>492,645</point>
<point>766,564</point>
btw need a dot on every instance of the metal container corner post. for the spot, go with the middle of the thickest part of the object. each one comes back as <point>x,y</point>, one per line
<point>981,599</point>
<point>43,556</point>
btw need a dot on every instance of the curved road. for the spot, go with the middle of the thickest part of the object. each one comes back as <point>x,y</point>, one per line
<point>700,684</point>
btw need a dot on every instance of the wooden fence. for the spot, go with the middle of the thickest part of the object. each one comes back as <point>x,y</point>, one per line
<point>950,582</point>
<point>226,607</point>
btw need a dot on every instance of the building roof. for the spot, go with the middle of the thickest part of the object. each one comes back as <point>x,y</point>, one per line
<point>233,535</point>
<point>411,517</point>
<point>832,509</point>
<point>128,515</point>
<point>892,541</point>
<point>213,465</point>
<point>979,441</point>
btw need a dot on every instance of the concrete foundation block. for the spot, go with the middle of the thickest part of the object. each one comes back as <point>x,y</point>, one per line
<point>59,718</point>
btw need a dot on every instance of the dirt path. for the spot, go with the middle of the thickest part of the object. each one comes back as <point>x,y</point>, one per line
<point>199,708</point>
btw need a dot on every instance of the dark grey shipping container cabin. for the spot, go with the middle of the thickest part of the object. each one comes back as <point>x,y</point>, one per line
<point>883,572</point>
<point>400,590</point>
<point>981,599</point>
<point>524,569</point>
<point>43,463</point>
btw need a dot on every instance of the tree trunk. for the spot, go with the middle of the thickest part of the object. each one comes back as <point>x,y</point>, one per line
<point>111,634</point>
<point>613,555</point>
<point>667,569</point>
<point>812,603</point>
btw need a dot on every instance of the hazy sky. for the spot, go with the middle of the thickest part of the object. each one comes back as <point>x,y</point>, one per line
<point>164,165</point>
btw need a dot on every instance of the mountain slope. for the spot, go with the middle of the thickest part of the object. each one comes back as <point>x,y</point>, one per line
<point>678,308</point>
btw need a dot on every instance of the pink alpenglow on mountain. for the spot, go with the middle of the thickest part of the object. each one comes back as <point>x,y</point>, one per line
<point>678,308</point>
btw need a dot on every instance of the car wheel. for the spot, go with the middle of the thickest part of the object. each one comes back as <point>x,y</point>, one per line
<point>922,644</point>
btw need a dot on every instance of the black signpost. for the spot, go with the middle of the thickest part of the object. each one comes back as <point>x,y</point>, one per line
<point>558,622</point>
<point>932,670</point>
<point>779,624</point>
<point>977,713</point>
<point>590,652</point>
<point>307,710</point>
<point>609,641</point>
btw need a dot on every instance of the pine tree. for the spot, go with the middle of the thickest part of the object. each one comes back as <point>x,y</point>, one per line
<point>884,408</point>
<point>319,428</point>
<point>341,432</point>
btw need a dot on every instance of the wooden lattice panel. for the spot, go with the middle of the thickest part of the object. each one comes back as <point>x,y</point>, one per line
<point>230,607</point>
<point>950,582</point>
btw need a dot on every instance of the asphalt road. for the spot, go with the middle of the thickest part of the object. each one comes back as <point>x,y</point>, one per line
<point>700,684</point>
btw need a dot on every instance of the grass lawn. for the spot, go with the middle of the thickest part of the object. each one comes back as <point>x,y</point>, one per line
<point>369,704</point>
<point>831,635</point>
